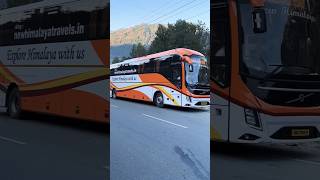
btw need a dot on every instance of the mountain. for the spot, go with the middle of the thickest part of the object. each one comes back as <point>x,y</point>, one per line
<point>121,40</point>
<point>144,33</point>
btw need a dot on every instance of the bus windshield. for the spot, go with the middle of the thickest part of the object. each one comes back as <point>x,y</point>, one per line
<point>291,44</point>
<point>197,73</point>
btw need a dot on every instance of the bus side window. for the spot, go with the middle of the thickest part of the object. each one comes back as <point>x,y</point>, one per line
<point>165,69</point>
<point>149,67</point>
<point>220,43</point>
<point>140,68</point>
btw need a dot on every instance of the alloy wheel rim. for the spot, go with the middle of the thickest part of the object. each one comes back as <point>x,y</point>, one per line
<point>159,99</point>
<point>14,105</point>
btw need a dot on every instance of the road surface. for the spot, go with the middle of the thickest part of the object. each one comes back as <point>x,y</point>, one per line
<point>168,143</point>
<point>47,147</point>
<point>265,162</point>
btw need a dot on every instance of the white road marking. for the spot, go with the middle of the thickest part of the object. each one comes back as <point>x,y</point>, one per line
<point>308,162</point>
<point>165,121</point>
<point>12,140</point>
<point>114,106</point>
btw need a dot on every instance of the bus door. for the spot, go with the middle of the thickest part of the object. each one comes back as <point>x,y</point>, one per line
<point>170,68</point>
<point>220,71</point>
<point>176,77</point>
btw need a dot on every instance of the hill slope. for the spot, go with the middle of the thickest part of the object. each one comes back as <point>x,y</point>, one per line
<point>143,34</point>
<point>121,40</point>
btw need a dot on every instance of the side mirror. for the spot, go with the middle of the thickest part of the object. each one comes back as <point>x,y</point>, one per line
<point>259,20</point>
<point>190,68</point>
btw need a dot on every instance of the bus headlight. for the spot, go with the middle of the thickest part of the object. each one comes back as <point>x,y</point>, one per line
<point>189,99</point>
<point>253,118</point>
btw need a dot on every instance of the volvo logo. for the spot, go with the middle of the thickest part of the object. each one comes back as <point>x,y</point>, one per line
<point>301,98</point>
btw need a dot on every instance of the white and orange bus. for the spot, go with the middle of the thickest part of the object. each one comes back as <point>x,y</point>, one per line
<point>265,71</point>
<point>54,57</point>
<point>177,77</point>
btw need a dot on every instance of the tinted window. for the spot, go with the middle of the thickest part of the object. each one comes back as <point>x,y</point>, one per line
<point>220,39</point>
<point>165,69</point>
<point>170,67</point>
<point>149,67</point>
<point>176,71</point>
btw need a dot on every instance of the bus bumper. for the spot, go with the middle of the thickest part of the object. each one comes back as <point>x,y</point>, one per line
<point>195,102</point>
<point>281,129</point>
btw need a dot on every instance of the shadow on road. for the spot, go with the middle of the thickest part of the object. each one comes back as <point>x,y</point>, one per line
<point>177,108</point>
<point>188,158</point>
<point>257,151</point>
<point>101,128</point>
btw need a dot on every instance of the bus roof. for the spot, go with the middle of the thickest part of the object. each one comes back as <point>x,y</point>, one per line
<point>179,51</point>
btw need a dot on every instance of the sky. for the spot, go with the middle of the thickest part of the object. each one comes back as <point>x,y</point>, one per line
<point>128,13</point>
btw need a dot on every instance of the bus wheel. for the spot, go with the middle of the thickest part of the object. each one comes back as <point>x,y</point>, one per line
<point>114,94</point>
<point>14,104</point>
<point>158,99</point>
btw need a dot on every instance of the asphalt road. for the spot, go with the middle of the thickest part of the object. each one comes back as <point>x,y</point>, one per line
<point>265,162</point>
<point>42,147</point>
<point>148,142</point>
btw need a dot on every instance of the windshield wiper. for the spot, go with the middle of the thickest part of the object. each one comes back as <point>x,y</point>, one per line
<point>289,66</point>
<point>279,66</point>
<point>202,85</point>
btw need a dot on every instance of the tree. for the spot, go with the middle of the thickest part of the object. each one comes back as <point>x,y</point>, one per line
<point>181,35</point>
<point>124,58</point>
<point>116,60</point>
<point>13,3</point>
<point>138,50</point>
<point>160,43</point>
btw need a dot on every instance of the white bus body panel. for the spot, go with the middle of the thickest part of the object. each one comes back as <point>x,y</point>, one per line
<point>219,111</point>
<point>270,125</point>
<point>176,99</point>
<point>238,127</point>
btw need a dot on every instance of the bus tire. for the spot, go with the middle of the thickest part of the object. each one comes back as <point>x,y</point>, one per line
<point>14,104</point>
<point>158,99</point>
<point>114,94</point>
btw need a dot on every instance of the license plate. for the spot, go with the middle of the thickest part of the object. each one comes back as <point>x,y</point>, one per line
<point>203,103</point>
<point>300,132</point>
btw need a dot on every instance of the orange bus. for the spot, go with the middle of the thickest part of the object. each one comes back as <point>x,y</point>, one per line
<point>177,77</point>
<point>265,78</point>
<point>54,57</point>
